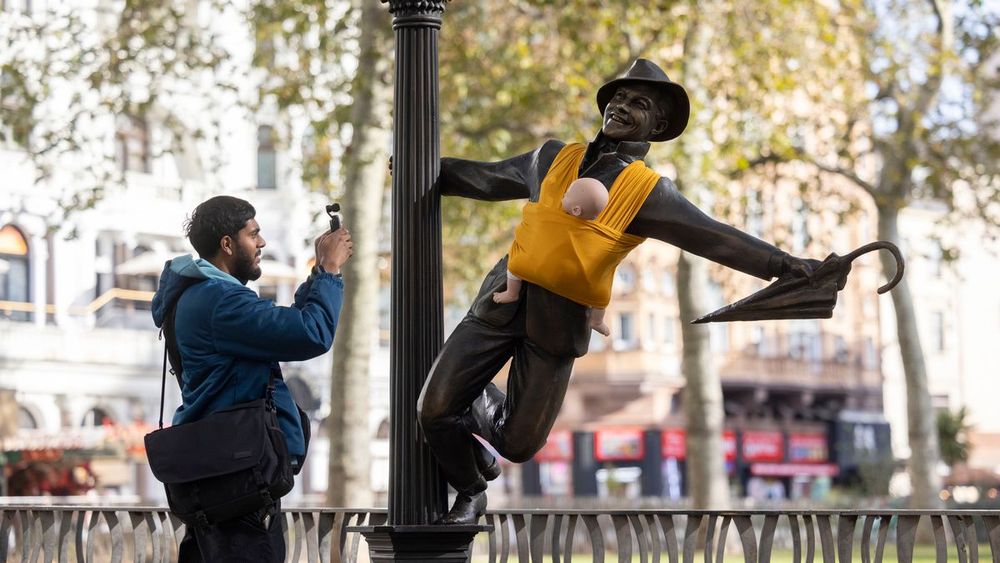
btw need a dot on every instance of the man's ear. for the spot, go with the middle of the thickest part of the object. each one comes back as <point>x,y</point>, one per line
<point>661,126</point>
<point>577,210</point>
<point>227,245</point>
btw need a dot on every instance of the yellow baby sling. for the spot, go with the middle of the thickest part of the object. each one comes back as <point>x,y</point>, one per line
<point>573,257</point>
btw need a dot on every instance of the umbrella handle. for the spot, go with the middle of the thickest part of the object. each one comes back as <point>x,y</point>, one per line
<point>882,245</point>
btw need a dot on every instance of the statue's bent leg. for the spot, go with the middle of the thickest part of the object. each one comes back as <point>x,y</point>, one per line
<point>519,426</point>
<point>469,360</point>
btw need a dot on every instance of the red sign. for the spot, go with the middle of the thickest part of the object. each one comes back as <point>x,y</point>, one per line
<point>808,448</point>
<point>794,469</point>
<point>729,445</point>
<point>763,445</point>
<point>558,447</point>
<point>619,444</point>
<point>673,443</point>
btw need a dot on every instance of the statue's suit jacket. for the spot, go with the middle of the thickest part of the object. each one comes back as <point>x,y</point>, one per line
<point>555,323</point>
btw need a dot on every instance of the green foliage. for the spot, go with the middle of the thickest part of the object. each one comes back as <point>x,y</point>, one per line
<point>508,87</point>
<point>953,435</point>
<point>919,125</point>
<point>68,73</point>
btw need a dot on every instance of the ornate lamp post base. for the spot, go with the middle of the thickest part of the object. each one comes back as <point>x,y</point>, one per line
<point>420,542</point>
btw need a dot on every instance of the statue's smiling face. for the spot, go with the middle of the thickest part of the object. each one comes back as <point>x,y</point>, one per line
<point>635,113</point>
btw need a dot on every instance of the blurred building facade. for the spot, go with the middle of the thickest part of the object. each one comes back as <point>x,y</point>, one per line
<point>806,402</point>
<point>80,359</point>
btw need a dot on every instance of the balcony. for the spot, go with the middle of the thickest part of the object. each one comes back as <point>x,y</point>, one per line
<point>739,368</point>
<point>25,343</point>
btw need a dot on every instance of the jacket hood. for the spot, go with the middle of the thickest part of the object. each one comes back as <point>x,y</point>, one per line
<point>179,274</point>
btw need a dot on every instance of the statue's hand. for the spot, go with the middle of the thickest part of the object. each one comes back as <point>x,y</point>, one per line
<point>799,267</point>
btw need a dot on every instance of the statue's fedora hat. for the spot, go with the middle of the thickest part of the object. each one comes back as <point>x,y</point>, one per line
<point>644,71</point>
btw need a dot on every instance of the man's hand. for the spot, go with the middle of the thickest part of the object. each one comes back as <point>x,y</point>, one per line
<point>333,249</point>
<point>799,267</point>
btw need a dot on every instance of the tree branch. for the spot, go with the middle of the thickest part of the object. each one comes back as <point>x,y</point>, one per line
<point>840,171</point>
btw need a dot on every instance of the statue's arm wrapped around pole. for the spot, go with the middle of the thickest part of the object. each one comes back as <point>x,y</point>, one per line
<point>518,177</point>
<point>668,216</point>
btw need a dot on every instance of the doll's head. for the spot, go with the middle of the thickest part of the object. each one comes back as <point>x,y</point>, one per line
<point>585,198</point>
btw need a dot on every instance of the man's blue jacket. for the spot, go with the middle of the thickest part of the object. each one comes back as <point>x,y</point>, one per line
<point>230,339</point>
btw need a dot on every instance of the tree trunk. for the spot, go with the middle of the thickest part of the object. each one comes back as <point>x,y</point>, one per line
<point>365,173</point>
<point>924,451</point>
<point>703,412</point>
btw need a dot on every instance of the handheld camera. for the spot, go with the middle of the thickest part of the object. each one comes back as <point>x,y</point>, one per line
<point>333,210</point>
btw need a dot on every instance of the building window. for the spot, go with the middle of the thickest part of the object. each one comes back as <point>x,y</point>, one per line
<point>804,341</point>
<point>626,332</point>
<point>756,344</point>
<point>267,158</point>
<point>625,278</point>
<point>132,144</point>
<point>26,420</point>
<point>938,340</point>
<point>97,417</point>
<point>667,281</point>
<point>14,273</point>
<point>669,326</point>
<point>869,355</point>
<point>718,333</point>
<point>840,352</point>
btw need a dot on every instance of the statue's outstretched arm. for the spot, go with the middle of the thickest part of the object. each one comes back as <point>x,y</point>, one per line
<point>668,216</point>
<point>487,181</point>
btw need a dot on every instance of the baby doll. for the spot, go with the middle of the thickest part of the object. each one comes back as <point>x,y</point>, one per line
<point>585,198</point>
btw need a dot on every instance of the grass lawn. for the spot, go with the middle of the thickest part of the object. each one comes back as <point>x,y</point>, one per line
<point>922,554</point>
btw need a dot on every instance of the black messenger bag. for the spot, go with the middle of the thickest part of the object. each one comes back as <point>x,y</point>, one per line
<point>226,465</point>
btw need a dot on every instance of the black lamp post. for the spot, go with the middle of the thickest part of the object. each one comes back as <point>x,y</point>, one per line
<point>417,491</point>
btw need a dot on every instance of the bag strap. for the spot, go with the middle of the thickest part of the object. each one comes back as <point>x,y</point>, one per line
<point>163,382</point>
<point>171,351</point>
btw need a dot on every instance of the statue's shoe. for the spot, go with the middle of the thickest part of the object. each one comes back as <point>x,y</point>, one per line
<point>466,510</point>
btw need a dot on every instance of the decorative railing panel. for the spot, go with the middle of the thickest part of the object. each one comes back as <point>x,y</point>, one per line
<point>117,534</point>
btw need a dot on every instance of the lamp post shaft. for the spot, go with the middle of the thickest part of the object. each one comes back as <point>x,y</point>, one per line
<point>417,492</point>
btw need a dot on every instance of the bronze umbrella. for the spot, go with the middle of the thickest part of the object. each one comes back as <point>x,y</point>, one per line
<point>813,297</point>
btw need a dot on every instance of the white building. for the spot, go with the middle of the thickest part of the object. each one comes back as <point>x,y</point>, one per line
<point>78,348</point>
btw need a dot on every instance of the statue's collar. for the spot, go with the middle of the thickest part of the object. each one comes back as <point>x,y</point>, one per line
<point>628,150</point>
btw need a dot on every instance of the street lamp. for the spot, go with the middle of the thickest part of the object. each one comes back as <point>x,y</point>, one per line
<point>417,491</point>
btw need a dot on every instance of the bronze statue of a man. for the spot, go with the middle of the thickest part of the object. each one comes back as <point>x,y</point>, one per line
<point>544,331</point>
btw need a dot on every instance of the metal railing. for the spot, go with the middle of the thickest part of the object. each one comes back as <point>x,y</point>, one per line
<point>113,534</point>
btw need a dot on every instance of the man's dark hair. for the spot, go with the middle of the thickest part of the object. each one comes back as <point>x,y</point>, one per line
<point>215,218</point>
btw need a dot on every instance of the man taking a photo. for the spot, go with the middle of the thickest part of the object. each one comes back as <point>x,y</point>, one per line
<point>229,340</point>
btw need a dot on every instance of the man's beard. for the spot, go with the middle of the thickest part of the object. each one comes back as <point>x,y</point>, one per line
<point>245,269</point>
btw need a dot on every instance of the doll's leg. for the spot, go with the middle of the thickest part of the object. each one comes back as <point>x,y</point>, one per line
<point>597,322</point>
<point>512,292</point>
